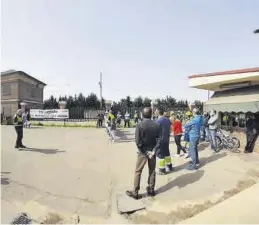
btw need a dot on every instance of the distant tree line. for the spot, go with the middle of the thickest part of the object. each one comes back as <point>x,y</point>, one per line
<point>92,102</point>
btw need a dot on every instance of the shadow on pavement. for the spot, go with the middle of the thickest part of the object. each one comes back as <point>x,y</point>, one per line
<point>182,181</point>
<point>203,145</point>
<point>5,181</point>
<point>41,150</point>
<point>125,136</point>
<point>203,161</point>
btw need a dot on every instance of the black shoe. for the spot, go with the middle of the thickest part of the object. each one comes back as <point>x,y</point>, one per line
<point>132,194</point>
<point>22,146</point>
<point>169,168</point>
<point>150,192</point>
<point>16,146</point>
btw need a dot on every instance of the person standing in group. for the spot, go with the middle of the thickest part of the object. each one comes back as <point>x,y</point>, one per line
<point>212,122</point>
<point>136,118</point>
<point>127,120</point>
<point>186,138</point>
<point>99,121</point>
<point>250,133</point>
<point>111,125</point>
<point>194,129</point>
<point>163,154</point>
<point>18,125</point>
<point>148,141</point>
<point>205,126</point>
<point>118,118</point>
<point>178,132</point>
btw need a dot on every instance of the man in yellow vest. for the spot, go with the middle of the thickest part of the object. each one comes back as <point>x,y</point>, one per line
<point>18,125</point>
<point>111,125</point>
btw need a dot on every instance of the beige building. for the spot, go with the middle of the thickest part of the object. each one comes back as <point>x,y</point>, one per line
<point>18,87</point>
<point>236,94</point>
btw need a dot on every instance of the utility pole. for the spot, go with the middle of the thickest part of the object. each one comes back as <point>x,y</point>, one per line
<point>101,89</point>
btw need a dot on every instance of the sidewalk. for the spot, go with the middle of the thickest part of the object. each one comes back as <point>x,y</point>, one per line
<point>239,209</point>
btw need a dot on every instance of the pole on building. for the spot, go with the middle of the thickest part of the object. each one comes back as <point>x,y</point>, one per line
<point>101,89</point>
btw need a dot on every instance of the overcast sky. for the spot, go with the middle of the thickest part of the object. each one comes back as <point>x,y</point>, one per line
<point>143,47</point>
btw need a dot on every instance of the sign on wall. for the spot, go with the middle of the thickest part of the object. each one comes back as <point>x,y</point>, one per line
<point>49,113</point>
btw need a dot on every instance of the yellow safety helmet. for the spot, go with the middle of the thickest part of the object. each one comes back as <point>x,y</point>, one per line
<point>172,113</point>
<point>189,113</point>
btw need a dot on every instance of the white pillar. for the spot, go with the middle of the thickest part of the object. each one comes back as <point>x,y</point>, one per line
<point>62,104</point>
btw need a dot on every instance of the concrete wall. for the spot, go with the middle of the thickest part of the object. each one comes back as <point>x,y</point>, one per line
<point>13,88</point>
<point>29,91</point>
<point>9,109</point>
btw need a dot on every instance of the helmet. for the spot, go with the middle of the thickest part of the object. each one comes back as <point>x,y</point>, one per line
<point>189,113</point>
<point>172,113</point>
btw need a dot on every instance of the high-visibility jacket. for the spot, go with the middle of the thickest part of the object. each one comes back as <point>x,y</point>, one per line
<point>18,120</point>
<point>111,117</point>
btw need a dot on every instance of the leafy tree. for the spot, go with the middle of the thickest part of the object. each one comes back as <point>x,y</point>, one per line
<point>147,102</point>
<point>138,102</point>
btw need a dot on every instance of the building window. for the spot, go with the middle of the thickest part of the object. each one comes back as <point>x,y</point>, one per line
<point>33,92</point>
<point>6,89</point>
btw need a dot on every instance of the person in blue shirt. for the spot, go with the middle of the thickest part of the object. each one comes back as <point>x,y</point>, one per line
<point>163,154</point>
<point>194,131</point>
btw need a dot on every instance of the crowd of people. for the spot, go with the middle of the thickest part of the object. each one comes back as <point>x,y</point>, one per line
<point>152,138</point>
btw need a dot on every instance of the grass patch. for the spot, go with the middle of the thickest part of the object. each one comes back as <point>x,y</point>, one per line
<point>66,124</point>
<point>52,218</point>
<point>186,212</point>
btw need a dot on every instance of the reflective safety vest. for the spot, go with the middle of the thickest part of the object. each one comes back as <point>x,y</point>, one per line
<point>111,117</point>
<point>225,118</point>
<point>18,121</point>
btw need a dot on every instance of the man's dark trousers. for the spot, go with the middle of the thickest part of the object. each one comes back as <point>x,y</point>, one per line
<point>141,162</point>
<point>250,141</point>
<point>126,122</point>
<point>164,158</point>
<point>19,131</point>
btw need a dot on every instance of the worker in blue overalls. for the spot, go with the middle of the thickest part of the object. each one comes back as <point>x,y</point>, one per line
<point>163,154</point>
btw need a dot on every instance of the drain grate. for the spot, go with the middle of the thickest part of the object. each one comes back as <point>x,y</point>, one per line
<point>23,218</point>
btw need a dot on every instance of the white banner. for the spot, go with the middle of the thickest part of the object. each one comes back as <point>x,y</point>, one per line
<point>49,113</point>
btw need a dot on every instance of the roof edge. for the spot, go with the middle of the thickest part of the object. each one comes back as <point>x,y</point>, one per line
<point>22,72</point>
<point>228,72</point>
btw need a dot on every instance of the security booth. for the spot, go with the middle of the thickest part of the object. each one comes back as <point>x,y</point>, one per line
<point>235,97</point>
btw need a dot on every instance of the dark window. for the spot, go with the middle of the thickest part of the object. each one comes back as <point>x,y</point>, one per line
<point>33,92</point>
<point>6,89</point>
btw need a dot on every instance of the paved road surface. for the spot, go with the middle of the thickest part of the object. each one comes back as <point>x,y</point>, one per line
<point>76,170</point>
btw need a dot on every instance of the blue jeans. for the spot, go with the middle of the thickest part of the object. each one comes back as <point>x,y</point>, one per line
<point>207,135</point>
<point>213,141</point>
<point>193,152</point>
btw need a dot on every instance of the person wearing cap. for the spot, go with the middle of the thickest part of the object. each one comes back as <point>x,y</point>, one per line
<point>18,125</point>
<point>194,130</point>
<point>186,138</point>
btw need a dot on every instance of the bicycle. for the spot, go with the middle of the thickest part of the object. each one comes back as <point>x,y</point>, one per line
<point>226,140</point>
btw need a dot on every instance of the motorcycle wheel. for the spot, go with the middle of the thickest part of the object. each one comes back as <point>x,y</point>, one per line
<point>236,142</point>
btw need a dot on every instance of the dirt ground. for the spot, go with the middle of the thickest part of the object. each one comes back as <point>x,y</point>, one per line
<point>68,171</point>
